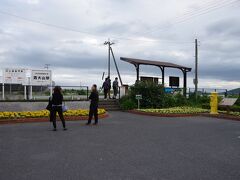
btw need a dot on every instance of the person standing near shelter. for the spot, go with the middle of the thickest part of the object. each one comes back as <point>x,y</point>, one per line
<point>105,88</point>
<point>115,88</point>
<point>57,103</point>
<point>94,97</point>
<point>109,87</point>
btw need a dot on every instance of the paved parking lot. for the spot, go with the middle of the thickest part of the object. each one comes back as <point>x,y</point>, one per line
<point>123,146</point>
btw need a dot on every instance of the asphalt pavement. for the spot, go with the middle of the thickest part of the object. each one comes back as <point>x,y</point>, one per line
<point>123,146</point>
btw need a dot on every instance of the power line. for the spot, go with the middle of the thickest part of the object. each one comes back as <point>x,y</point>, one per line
<point>193,15</point>
<point>184,18</point>
<point>205,6</point>
<point>46,24</point>
<point>74,30</point>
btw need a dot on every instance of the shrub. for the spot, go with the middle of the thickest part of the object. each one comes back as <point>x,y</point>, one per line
<point>126,103</point>
<point>204,99</point>
<point>206,106</point>
<point>168,101</point>
<point>153,94</point>
<point>180,100</point>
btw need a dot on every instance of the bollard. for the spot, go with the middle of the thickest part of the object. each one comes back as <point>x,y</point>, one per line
<point>214,103</point>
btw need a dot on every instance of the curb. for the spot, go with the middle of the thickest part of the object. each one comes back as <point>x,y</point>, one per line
<point>46,119</point>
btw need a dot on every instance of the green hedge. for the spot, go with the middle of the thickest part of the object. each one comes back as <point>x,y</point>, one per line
<point>153,96</point>
<point>126,103</point>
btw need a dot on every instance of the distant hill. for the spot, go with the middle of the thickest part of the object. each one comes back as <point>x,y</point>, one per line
<point>234,91</point>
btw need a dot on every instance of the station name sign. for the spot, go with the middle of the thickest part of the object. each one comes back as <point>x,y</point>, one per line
<point>27,76</point>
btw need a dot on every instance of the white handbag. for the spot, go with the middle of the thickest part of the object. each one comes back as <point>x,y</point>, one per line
<point>64,108</point>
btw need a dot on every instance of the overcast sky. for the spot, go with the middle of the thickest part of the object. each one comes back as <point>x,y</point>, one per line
<point>162,30</point>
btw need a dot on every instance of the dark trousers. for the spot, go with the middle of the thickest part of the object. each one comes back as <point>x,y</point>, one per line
<point>115,92</point>
<point>105,93</point>
<point>53,113</point>
<point>93,111</point>
<point>109,93</point>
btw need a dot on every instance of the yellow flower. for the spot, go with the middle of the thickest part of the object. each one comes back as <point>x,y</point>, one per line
<point>45,113</point>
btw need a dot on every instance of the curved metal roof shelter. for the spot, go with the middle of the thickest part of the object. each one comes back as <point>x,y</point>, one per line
<point>161,65</point>
<point>154,63</point>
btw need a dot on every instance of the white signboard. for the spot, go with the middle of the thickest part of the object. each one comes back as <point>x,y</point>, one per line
<point>139,96</point>
<point>27,76</point>
<point>14,75</point>
<point>228,102</point>
<point>41,77</point>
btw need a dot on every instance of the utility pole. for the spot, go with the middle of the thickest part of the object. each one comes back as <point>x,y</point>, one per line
<point>119,76</point>
<point>110,52</point>
<point>196,69</point>
<point>109,43</point>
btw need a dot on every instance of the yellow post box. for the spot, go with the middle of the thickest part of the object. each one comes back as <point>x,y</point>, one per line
<point>214,103</point>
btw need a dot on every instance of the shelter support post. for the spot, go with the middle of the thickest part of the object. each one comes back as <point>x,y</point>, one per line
<point>137,70</point>
<point>163,75</point>
<point>184,83</point>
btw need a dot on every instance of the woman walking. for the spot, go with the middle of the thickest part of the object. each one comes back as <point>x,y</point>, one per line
<point>94,97</point>
<point>57,103</point>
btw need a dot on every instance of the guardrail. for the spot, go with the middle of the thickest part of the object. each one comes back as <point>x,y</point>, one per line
<point>42,93</point>
<point>207,91</point>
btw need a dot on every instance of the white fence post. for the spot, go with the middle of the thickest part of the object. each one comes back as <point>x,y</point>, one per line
<point>25,92</point>
<point>3,91</point>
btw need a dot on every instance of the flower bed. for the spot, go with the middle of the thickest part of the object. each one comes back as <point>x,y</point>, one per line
<point>45,114</point>
<point>184,111</point>
<point>176,110</point>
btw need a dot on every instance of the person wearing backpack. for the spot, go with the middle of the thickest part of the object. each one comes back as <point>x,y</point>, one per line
<point>93,110</point>
<point>115,88</point>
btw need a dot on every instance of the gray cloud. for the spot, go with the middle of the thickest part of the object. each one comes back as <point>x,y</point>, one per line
<point>29,44</point>
<point>229,28</point>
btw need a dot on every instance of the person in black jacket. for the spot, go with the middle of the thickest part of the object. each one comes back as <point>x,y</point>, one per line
<point>109,87</point>
<point>56,101</point>
<point>105,87</point>
<point>94,97</point>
